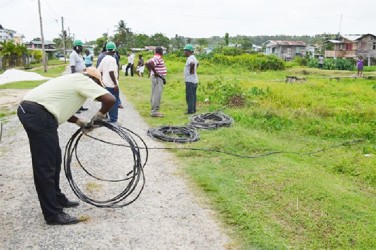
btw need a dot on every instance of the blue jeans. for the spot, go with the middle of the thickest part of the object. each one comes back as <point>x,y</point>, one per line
<point>190,96</point>
<point>113,113</point>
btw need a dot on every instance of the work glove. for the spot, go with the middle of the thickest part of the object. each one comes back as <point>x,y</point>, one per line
<point>99,116</point>
<point>86,127</point>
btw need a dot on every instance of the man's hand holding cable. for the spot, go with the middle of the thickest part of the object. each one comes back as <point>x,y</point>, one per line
<point>99,116</point>
<point>85,126</point>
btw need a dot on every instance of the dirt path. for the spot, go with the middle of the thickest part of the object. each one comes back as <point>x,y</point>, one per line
<point>166,215</point>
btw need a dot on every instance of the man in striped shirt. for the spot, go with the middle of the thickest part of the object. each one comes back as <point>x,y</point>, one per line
<point>158,70</point>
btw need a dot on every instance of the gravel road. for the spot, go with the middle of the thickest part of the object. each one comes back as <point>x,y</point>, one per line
<point>169,214</point>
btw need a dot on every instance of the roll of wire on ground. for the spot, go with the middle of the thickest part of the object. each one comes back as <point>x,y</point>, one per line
<point>135,179</point>
<point>211,120</point>
<point>179,134</point>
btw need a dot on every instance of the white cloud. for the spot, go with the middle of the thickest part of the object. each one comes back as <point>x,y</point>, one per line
<point>89,19</point>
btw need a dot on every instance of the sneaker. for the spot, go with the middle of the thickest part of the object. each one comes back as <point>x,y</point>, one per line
<point>115,124</point>
<point>121,106</point>
<point>157,114</point>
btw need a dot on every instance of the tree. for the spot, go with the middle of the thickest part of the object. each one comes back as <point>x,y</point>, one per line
<point>100,42</point>
<point>178,41</point>
<point>158,39</point>
<point>227,37</point>
<point>202,42</point>
<point>12,53</point>
<point>124,37</point>
<point>141,40</point>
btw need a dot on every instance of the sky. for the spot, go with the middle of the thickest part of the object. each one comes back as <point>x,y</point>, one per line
<point>87,20</point>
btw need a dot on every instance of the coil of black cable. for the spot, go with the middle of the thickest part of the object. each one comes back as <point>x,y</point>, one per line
<point>135,178</point>
<point>211,120</point>
<point>179,134</point>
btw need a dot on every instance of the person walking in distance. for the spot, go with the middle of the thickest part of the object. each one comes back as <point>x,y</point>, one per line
<point>109,69</point>
<point>191,79</point>
<point>158,70</point>
<point>321,62</point>
<point>130,64</point>
<point>359,66</point>
<point>77,63</point>
<point>140,66</point>
<point>41,111</point>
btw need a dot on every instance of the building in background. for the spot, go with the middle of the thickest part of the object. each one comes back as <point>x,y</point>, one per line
<point>286,50</point>
<point>10,35</point>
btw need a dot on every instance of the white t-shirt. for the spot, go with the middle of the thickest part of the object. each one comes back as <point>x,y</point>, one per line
<point>131,58</point>
<point>188,77</point>
<point>77,61</point>
<point>64,95</point>
<point>107,65</point>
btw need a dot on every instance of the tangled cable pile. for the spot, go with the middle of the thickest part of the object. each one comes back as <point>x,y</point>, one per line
<point>211,120</point>
<point>132,190</point>
<point>179,134</point>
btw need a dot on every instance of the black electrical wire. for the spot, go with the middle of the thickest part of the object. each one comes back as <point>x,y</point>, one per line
<point>346,143</point>
<point>134,179</point>
<point>179,134</point>
<point>211,120</point>
<point>137,174</point>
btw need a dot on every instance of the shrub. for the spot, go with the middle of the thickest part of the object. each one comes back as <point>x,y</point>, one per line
<point>224,92</point>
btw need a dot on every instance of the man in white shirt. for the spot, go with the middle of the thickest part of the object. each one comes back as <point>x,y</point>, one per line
<point>109,70</point>
<point>191,79</point>
<point>77,63</point>
<point>130,64</point>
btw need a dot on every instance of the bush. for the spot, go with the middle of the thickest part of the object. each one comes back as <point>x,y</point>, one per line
<point>224,92</point>
<point>334,64</point>
<point>255,62</point>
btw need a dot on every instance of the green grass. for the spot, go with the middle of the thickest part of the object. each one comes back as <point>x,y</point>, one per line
<point>318,192</point>
<point>292,199</point>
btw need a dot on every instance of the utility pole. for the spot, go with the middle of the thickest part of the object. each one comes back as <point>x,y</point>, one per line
<point>42,37</point>
<point>340,26</point>
<point>63,32</point>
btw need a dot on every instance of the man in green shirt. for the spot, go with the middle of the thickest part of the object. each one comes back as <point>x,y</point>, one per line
<point>41,112</point>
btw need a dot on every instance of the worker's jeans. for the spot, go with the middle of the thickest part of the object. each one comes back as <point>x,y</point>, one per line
<point>113,113</point>
<point>41,128</point>
<point>190,96</point>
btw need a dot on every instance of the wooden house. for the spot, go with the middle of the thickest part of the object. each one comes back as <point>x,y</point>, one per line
<point>353,46</point>
<point>286,50</point>
<point>343,47</point>
<point>366,47</point>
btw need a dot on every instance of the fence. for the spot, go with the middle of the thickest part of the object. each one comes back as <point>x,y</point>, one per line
<point>14,61</point>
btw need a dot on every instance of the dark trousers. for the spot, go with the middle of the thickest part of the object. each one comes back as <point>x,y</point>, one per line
<point>41,128</point>
<point>190,96</point>
<point>126,69</point>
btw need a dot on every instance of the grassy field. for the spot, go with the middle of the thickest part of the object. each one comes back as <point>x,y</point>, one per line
<point>317,191</point>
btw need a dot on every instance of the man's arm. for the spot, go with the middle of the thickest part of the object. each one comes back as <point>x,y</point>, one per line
<point>107,101</point>
<point>113,78</point>
<point>151,67</point>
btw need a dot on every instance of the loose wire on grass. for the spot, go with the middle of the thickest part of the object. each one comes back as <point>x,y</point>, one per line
<point>137,174</point>
<point>346,143</point>
<point>134,178</point>
<point>179,134</point>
